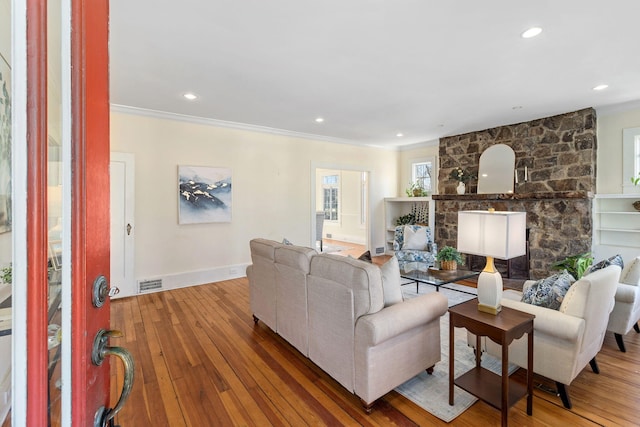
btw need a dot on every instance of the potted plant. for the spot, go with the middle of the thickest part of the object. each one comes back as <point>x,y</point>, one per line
<point>416,189</point>
<point>576,265</point>
<point>449,258</point>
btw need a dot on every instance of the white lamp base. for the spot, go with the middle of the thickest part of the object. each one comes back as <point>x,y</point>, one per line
<point>489,292</point>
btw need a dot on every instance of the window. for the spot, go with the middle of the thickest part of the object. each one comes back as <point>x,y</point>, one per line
<point>630,159</point>
<point>330,185</point>
<point>421,173</point>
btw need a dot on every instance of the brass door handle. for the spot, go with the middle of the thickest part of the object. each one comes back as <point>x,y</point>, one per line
<point>100,351</point>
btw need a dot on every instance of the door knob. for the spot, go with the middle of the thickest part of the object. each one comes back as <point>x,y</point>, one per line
<point>128,229</point>
<point>104,416</point>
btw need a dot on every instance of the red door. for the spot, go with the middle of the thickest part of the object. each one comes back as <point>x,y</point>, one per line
<point>67,381</point>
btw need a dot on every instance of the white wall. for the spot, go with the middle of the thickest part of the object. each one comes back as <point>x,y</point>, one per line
<point>609,166</point>
<point>271,192</point>
<point>415,155</point>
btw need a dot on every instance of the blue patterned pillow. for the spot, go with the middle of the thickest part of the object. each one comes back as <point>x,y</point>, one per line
<point>614,260</point>
<point>548,292</point>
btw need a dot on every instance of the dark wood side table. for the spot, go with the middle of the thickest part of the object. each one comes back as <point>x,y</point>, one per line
<point>508,325</point>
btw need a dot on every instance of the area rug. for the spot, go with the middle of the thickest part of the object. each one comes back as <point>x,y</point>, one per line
<point>431,392</point>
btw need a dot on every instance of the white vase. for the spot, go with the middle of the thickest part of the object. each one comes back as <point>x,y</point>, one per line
<point>460,188</point>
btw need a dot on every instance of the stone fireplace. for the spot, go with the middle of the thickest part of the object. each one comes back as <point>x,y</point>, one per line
<point>560,155</point>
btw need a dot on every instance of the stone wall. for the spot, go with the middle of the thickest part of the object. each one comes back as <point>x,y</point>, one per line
<point>559,223</point>
<point>559,152</point>
<point>560,155</point>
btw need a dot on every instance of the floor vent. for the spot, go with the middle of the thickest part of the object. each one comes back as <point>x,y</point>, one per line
<point>147,285</point>
<point>379,251</point>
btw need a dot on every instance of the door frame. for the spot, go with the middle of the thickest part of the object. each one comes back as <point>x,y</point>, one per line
<point>86,74</point>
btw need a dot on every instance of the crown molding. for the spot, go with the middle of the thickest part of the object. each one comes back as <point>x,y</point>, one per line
<point>125,109</point>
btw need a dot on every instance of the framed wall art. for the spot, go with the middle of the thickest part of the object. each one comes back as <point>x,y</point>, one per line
<point>204,194</point>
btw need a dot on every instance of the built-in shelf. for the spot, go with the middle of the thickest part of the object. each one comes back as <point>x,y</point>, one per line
<point>616,226</point>
<point>394,207</point>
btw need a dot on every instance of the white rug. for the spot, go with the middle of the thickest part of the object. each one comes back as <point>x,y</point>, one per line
<point>431,392</point>
<point>327,249</point>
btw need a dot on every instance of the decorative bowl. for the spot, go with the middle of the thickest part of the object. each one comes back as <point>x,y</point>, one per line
<point>636,205</point>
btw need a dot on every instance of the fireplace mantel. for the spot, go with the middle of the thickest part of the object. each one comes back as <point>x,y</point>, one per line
<point>517,196</point>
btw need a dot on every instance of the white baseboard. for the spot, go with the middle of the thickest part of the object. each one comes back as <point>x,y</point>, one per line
<point>196,278</point>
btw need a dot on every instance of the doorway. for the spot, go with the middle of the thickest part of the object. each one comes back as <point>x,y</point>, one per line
<point>342,195</point>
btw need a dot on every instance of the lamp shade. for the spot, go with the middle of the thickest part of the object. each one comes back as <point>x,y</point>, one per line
<point>494,234</point>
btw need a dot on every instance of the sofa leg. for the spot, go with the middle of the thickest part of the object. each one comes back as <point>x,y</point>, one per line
<point>620,342</point>
<point>636,327</point>
<point>594,366</point>
<point>430,370</point>
<point>255,319</point>
<point>564,394</point>
<point>368,407</point>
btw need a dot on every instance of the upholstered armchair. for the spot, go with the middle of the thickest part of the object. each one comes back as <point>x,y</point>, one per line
<point>413,246</point>
<point>626,311</point>
<point>564,340</point>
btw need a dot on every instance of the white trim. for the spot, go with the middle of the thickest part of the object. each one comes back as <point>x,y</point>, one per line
<point>19,204</point>
<point>226,124</point>
<point>431,143</point>
<point>196,278</point>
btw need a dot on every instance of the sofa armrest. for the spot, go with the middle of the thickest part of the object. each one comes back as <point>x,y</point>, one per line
<point>627,293</point>
<point>551,322</point>
<point>394,320</point>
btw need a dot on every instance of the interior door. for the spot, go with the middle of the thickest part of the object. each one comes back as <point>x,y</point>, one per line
<point>121,174</point>
<point>67,218</point>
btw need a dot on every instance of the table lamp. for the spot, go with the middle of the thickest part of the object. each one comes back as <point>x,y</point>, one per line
<point>492,234</point>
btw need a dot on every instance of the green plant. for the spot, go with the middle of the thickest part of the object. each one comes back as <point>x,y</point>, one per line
<point>6,274</point>
<point>576,265</point>
<point>416,189</point>
<point>447,253</point>
<point>407,219</point>
<point>461,175</point>
<point>635,180</point>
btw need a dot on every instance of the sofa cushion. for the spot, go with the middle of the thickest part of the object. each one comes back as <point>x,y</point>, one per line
<point>391,288</point>
<point>415,239</point>
<point>548,292</point>
<point>614,260</point>
<point>631,275</point>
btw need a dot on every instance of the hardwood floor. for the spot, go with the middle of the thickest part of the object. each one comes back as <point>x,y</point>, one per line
<point>201,361</point>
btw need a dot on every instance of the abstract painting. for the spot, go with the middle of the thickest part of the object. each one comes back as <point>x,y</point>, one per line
<point>5,146</point>
<point>204,194</point>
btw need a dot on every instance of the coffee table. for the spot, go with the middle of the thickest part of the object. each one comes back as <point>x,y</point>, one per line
<point>437,278</point>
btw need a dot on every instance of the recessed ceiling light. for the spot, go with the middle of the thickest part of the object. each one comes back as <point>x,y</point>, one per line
<point>399,135</point>
<point>319,120</point>
<point>190,96</point>
<point>531,32</point>
<point>600,87</point>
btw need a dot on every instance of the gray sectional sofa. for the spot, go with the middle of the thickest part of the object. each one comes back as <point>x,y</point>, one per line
<point>332,309</point>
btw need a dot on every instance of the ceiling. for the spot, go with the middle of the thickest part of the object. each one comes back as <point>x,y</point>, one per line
<point>373,68</point>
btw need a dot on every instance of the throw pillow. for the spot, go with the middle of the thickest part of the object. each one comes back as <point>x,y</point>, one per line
<point>632,275</point>
<point>414,239</point>
<point>548,292</point>
<point>286,241</point>
<point>366,257</point>
<point>391,290</point>
<point>614,260</point>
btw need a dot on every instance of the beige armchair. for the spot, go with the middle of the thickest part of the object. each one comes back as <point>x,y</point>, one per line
<point>626,311</point>
<point>565,340</point>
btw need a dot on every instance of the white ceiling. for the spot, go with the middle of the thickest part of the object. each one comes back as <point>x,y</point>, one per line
<point>374,68</point>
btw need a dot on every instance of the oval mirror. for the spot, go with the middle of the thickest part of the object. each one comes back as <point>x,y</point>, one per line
<point>495,172</point>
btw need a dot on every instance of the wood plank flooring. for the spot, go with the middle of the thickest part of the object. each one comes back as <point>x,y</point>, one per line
<point>201,361</point>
